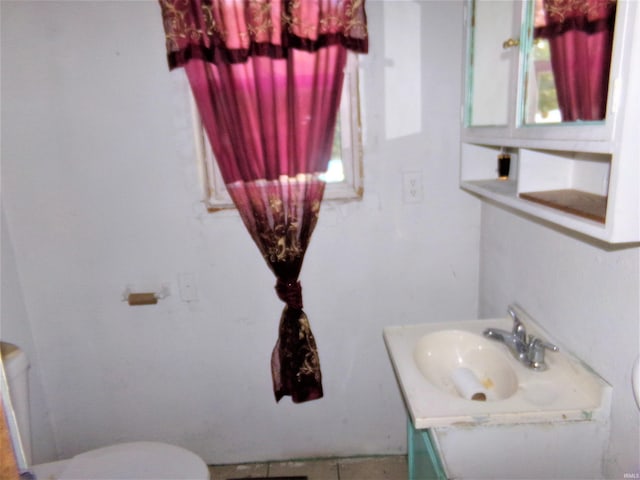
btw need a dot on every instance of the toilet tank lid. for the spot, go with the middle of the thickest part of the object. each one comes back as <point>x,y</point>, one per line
<point>137,460</point>
<point>14,359</point>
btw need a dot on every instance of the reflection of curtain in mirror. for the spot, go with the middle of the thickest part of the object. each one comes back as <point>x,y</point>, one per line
<point>267,78</point>
<point>580,34</point>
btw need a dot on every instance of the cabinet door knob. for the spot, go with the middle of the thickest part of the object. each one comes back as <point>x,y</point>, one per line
<point>512,42</point>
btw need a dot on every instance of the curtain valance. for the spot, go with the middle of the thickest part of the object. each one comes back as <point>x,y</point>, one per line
<point>231,31</point>
<point>554,17</point>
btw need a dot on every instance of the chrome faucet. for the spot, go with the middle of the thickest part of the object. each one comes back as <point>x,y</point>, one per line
<point>527,349</point>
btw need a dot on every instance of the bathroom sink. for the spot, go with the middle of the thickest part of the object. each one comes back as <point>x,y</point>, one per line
<point>451,375</point>
<point>465,365</point>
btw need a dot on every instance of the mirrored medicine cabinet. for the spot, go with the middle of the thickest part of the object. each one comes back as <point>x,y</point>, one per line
<point>562,71</point>
<point>554,85</point>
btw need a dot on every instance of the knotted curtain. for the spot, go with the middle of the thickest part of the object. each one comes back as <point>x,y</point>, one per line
<point>267,79</point>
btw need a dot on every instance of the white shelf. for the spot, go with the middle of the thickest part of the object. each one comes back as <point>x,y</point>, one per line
<point>582,177</point>
<point>505,193</point>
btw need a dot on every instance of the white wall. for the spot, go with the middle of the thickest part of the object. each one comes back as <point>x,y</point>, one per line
<point>587,294</point>
<point>100,190</point>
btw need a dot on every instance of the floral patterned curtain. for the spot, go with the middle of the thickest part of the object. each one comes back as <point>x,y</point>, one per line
<point>580,34</point>
<point>267,78</point>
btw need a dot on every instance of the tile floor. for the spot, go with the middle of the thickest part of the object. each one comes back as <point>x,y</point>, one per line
<point>360,468</point>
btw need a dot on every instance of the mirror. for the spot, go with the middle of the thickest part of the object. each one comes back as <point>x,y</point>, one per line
<point>566,56</point>
<point>567,60</point>
<point>489,65</point>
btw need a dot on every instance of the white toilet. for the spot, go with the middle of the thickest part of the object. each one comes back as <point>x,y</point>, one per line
<point>130,461</point>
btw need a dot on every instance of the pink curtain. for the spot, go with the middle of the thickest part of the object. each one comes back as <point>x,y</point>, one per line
<point>267,79</point>
<point>580,34</point>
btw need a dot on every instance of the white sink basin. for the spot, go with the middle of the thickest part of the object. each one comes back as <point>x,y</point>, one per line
<point>463,364</point>
<point>436,362</point>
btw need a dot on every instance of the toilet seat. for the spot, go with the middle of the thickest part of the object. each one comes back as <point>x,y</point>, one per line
<point>135,460</point>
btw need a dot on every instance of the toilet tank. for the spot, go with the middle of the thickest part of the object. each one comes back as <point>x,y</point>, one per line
<point>16,367</point>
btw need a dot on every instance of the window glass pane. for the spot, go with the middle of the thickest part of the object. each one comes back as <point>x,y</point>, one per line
<point>335,170</point>
<point>344,172</point>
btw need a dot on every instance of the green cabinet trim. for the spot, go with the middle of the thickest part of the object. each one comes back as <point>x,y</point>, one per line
<point>424,460</point>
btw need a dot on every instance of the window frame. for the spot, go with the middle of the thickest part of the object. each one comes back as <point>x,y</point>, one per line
<point>214,193</point>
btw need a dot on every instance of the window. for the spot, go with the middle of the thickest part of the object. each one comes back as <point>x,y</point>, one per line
<point>344,175</point>
<point>542,98</point>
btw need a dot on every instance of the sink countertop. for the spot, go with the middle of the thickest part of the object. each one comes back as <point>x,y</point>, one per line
<point>568,391</point>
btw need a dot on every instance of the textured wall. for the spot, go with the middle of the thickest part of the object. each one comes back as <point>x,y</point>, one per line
<point>586,294</point>
<point>100,190</point>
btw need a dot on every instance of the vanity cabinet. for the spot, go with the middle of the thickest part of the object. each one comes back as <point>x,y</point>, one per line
<point>580,175</point>
<point>423,455</point>
<point>553,450</point>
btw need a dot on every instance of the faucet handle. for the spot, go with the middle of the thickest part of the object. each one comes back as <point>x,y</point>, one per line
<point>535,352</point>
<point>518,328</point>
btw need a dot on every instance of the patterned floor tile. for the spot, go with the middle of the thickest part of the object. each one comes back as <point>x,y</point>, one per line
<point>374,468</point>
